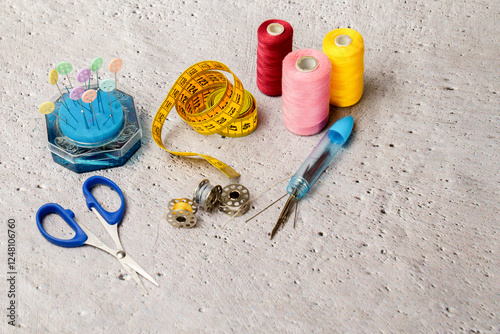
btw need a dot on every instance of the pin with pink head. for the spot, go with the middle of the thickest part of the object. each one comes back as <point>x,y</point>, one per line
<point>88,97</point>
<point>114,67</point>
<point>75,94</point>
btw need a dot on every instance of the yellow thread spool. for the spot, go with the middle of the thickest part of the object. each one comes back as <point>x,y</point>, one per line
<point>346,51</point>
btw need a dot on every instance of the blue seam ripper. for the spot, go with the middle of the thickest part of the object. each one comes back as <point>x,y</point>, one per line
<point>315,164</point>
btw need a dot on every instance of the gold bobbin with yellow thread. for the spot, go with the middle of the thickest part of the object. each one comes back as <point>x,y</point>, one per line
<point>206,100</point>
<point>181,213</point>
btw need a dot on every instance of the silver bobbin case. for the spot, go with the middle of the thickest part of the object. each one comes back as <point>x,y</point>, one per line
<point>207,196</point>
<point>234,200</point>
<point>181,218</point>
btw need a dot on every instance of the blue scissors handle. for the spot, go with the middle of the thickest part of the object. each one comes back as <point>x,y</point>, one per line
<point>68,216</point>
<point>111,217</point>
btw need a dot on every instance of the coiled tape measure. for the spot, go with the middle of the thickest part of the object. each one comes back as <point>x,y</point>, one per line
<point>206,100</point>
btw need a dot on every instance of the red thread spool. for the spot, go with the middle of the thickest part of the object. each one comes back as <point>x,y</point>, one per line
<point>274,43</point>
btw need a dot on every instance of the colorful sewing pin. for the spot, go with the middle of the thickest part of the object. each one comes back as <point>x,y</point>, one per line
<point>107,85</point>
<point>47,108</point>
<point>95,66</point>
<point>75,94</point>
<point>65,68</point>
<point>83,75</point>
<point>53,78</point>
<point>88,97</point>
<point>115,66</point>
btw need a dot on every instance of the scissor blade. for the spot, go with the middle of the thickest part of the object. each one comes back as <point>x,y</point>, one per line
<point>127,260</point>
<point>111,229</point>
<point>134,276</point>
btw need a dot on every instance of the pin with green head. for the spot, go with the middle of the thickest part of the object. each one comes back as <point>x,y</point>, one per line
<point>95,66</point>
<point>65,68</point>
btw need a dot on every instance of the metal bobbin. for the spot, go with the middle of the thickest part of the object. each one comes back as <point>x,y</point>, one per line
<point>234,198</point>
<point>181,213</point>
<point>207,196</point>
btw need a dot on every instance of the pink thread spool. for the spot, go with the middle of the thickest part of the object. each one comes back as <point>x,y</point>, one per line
<point>306,91</point>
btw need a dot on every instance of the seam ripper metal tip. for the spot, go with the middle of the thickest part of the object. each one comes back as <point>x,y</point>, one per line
<point>315,164</point>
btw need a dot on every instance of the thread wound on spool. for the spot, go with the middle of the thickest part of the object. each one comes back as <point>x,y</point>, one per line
<point>306,93</point>
<point>184,204</point>
<point>345,49</point>
<point>183,207</point>
<point>274,43</point>
<point>181,213</point>
<point>207,196</point>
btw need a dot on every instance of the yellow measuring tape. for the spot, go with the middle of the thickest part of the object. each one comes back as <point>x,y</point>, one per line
<point>206,100</point>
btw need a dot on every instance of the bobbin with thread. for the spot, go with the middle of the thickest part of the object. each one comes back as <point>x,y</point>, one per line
<point>234,200</point>
<point>181,213</point>
<point>275,39</point>
<point>207,196</point>
<point>345,49</point>
<point>306,89</point>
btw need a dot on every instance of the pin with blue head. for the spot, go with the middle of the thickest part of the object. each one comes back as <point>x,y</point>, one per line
<point>108,85</point>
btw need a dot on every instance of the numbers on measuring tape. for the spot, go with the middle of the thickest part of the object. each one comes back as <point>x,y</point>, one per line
<point>230,112</point>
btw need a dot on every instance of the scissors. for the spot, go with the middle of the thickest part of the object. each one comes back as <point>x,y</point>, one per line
<point>83,236</point>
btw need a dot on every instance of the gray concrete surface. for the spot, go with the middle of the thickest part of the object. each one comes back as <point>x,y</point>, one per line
<point>399,235</point>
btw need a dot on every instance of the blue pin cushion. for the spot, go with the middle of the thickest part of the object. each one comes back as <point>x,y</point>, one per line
<point>101,129</point>
<point>82,150</point>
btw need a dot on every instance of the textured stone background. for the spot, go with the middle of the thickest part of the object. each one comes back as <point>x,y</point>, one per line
<point>399,235</point>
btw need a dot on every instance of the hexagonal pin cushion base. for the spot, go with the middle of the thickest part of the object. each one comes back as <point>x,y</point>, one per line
<point>84,137</point>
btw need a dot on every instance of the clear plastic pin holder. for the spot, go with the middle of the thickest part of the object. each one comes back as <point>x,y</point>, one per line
<point>81,157</point>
